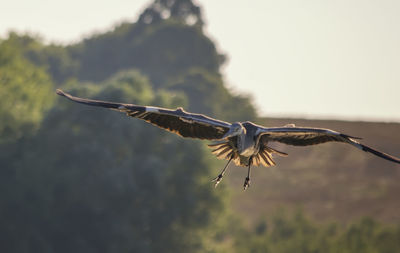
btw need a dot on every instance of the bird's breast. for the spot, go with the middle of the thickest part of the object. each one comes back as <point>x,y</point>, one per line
<point>249,151</point>
<point>247,146</point>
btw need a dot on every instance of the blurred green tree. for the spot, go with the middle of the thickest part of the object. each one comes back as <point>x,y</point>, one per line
<point>207,94</point>
<point>93,180</point>
<point>25,92</point>
<point>184,11</point>
<point>167,44</point>
<point>285,233</point>
<point>55,59</point>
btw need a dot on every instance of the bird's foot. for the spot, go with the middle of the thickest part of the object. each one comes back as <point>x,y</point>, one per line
<point>246,183</point>
<point>217,180</point>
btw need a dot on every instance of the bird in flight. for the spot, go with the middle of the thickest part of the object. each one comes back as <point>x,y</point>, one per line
<point>244,143</point>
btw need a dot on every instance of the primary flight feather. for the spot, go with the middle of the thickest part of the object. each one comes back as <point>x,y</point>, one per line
<point>245,143</point>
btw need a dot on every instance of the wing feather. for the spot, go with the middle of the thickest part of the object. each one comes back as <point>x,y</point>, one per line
<point>303,136</point>
<point>177,121</point>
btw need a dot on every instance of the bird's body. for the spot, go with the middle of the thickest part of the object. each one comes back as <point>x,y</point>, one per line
<point>244,143</point>
<point>248,143</point>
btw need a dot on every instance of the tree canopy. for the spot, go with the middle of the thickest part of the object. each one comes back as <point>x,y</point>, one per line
<point>111,184</point>
<point>25,92</point>
<point>170,51</point>
<point>91,180</point>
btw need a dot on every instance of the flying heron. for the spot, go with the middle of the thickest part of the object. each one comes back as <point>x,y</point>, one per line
<point>244,143</point>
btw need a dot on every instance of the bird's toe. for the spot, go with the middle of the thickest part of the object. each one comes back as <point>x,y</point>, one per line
<point>217,180</point>
<point>246,183</point>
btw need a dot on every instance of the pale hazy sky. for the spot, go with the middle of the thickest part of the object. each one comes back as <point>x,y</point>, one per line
<point>313,58</point>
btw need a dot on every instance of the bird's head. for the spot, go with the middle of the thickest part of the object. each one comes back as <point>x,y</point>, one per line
<point>235,130</point>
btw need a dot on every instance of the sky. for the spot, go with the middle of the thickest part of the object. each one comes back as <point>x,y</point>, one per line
<point>297,58</point>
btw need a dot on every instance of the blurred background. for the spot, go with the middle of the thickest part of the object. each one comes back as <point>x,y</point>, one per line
<point>81,179</point>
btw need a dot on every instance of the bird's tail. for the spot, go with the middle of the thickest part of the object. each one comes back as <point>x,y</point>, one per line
<point>222,150</point>
<point>264,158</point>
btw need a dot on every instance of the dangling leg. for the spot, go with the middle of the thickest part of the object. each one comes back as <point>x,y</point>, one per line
<point>247,180</point>
<point>219,177</point>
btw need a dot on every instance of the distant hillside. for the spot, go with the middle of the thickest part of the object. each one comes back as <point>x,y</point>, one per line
<point>332,181</point>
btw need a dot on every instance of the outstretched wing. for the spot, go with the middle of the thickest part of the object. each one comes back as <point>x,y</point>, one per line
<point>304,136</point>
<point>177,121</point>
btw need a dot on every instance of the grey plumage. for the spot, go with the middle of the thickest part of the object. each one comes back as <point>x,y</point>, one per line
<point>244,143</point>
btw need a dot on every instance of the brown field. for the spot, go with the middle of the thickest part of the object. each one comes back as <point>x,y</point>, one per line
<point>330,182</point>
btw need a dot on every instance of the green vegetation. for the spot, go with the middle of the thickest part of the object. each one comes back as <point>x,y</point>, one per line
<point>91,190</point>
<point>284,233</point>
<point>25,92</point>
<point>80,179</point>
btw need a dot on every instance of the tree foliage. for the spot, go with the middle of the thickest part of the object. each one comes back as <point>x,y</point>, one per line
<point>138,46</point>
<point>168,50</point>
<point>207,94</point>
<point>24,92</point>
<point>91,180</point>
<point>285,233</point>
<point>184,11</point>
<point>96,181</point>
